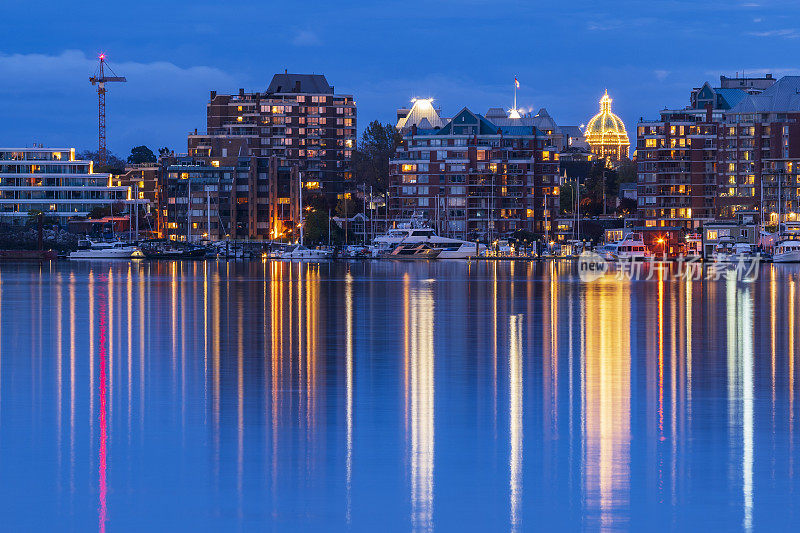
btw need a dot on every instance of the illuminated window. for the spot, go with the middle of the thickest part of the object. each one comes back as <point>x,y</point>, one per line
<point>311,185</point>
<point>712,235</point>
<point>215,163</point>
<point>409,168</point>
<point>238,119</point>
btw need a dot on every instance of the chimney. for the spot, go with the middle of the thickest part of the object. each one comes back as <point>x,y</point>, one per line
<point>241,92</point>
<point>708,112</point>
<point>297,86</point>
<point>213,94</point>
<point>413,129</point>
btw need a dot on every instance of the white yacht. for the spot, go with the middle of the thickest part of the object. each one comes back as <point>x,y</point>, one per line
<point>787,251</point>
<point>107,250</point>
<point>450,248</point>
<point>630,248</point>
<point>298,251</point>
<point>728,251</point>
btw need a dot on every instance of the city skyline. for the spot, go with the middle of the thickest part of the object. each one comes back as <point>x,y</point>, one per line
<point>173,59</point>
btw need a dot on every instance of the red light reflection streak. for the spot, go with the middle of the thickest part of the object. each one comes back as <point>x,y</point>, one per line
<point>660,383</point>
<point>101,307</point>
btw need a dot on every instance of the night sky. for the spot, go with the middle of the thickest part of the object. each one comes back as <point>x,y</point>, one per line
<point>648,54</point>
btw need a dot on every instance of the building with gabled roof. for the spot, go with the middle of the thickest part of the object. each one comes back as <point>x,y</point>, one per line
<point>422,114</point>
<point>477,177</point>
<point>734,148</point>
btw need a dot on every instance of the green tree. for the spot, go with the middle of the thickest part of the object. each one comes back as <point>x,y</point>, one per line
<point>141,154</point>
<point>627,206</point>
<point>567,197</point>
<point>33,218</point>
<point>627,171</point>
<point>164,151</point>
<point>600,177</point>
<point>114,164</point>
<point>315,228</point>
<point>346,208</point>
<point>371,157</point>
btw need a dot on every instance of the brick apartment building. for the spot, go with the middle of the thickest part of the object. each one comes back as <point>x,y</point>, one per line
<point>241,178</point>
<point>232,195</point>
<point>299,119</point>
<point>474,178</point>
<point>735,147</point>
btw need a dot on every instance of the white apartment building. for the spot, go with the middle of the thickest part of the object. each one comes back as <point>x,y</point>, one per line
<point>52,181</point>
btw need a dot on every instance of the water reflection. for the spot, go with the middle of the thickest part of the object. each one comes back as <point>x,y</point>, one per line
<point>348,302</point>
<point>607,403</point>
<point>515,395</point>
<point>291,396</point>
<point>419,357</point>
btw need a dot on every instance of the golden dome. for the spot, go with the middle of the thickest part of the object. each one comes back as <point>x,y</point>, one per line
<point>606,133</point>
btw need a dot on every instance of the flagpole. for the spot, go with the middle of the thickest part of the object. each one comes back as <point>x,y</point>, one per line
<point>515,93</point>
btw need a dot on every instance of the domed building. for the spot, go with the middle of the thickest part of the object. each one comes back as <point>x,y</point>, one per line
<point>606,133</point>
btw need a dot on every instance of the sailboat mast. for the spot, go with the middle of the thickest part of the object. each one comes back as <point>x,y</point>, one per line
<point>300,200</point>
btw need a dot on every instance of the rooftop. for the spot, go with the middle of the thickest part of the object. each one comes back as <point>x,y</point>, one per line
<point>300,83</point>
<point>783,96</point>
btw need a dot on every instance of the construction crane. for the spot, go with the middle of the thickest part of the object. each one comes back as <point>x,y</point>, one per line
<point>100,79</point>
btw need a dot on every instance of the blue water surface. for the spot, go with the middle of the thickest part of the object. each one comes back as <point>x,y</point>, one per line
<point>380,396</point>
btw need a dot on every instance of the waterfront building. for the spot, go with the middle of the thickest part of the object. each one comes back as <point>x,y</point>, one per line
<point>299,119</point>
<point>144,179</point>
<point>478,178</point>
<point>231,197</point>
<point>606,133</point>
<point>731,149</point>
<point>241,179</point>
<point>54,182</point>
<point>743,229</point>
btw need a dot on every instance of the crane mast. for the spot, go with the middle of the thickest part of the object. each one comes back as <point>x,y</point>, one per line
<point>100,79</point>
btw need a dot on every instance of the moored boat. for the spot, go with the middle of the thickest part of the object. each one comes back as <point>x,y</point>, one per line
<point>450,248</point>
<point>787,251</point>
<point>415,251</point>
<point>728,251</point>
<point>107,250</point>
<point>298,251</point>
<point>630,248</point>
<point>166,249</point>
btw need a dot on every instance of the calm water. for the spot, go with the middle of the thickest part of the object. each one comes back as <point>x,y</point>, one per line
<point>395,397</point>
